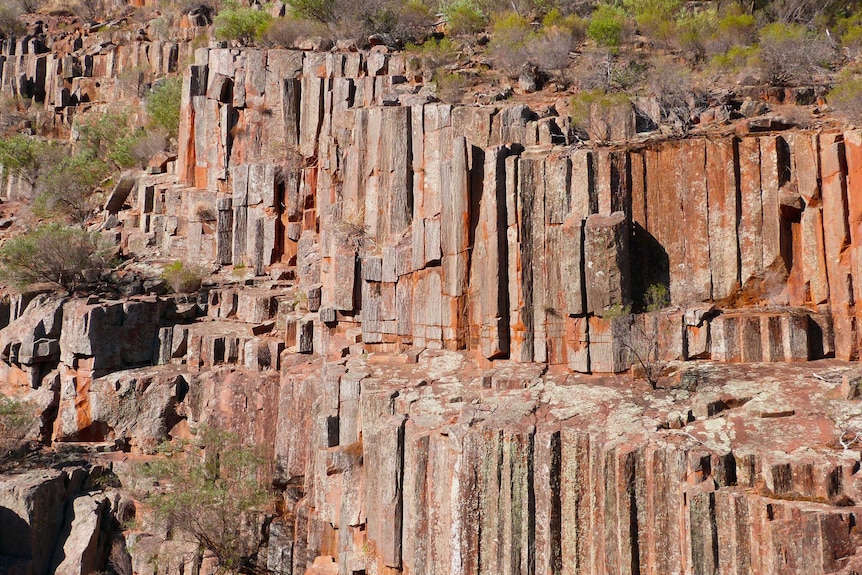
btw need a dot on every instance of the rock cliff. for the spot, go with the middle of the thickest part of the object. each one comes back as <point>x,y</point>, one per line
<point>428,309</point>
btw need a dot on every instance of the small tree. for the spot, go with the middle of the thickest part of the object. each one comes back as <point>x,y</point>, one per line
<point>645,353</point>
<point>16,419</point>
<point>66,184</point>
<point>508,43</point>
<point>212,494</point>
<point>53,253</point>
<point>464,17</point>
<point>163,106</point>
<point>19,155</point>
<point>607,26</point>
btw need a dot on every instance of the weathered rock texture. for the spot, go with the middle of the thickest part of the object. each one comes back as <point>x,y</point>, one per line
<point>485,266</point>
<point>433,226</point>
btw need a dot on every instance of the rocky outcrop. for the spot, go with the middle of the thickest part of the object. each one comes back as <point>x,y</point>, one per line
<point>435,226</point>
<point>49,523</point>
<point>461,476</point>
<point>418,295</point>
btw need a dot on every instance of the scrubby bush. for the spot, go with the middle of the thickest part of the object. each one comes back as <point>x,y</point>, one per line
<point>846,98</point>
<point>10,24</point>
<point>694,29</point>
<point>735,58</point>
<point>414,21</point>
<point>734,28</point>
<point>319,10</point>
<point>572,23</point>
<point>235,23</point>
<point>595,112</point>
<point>183,277</point>
<point>99,135</point>
<point>19,156</point>
<point>607,26</point>
<point>670,85</point>
<point>450,86</point>
<point>508,43</point>
<point>432,55</point>
<point>550,49</point>
<point>16,420</point>
<point>656,297</point>
<point>791,53</point>
<point>66,184</point>
<point>286,32</point>
<point>53,253</point>
<point>163,106</point>
<point>464,17</point>
<point>209,489</point>
<point>29,6</point>
<point>655,18</point>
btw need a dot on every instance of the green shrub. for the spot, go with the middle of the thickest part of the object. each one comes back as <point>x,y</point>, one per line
<point>596,112</point>
<point>433,54</point>
<point>737,24</point>
<point>791,53</point>
<point>736,58</point>
<point>286,32</point>
<point>508,43</point>
<point>464,17</point>
<point>655,18</point>
<point>852,39</point>
<point>17,418</point>
<point>235,23</point>
<point>10,24</point>
<point>607,25</point>
<point>99,135</point>
<point>319,10</point>
<point>450,86</point>
<point>183,277</point>
<point>694,30</point>
<point>66,184</point>
<point>550,49</point>
<point>573,23</point>
<point>19,155</point>
<point>846,97</point>
<point>656,297</point>
<point>163,105</point>
<point>414,21</point>
<point>209,488</point>
<point>53,253</point>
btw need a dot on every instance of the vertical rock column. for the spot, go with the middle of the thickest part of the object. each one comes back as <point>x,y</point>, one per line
<point>488,271</point>
<point>455,244</point>
<point>606,279</point>
<point>837,243</point>
<point>853,151</point>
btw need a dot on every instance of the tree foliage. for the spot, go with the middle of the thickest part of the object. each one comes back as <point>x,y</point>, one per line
<point>16,419</point>
<point>163,106</point>
<point>235,23</point>
<point>66,184</point>
<point>53,253</point>
<point>19,155</point>
<point>212,494</point>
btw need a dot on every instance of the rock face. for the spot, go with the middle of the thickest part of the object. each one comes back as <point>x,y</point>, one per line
<point>46,508</point>
<point>430,306</point>
<point>435,226</point>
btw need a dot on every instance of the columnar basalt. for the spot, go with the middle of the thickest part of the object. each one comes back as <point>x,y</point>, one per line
<point>426,311</point>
